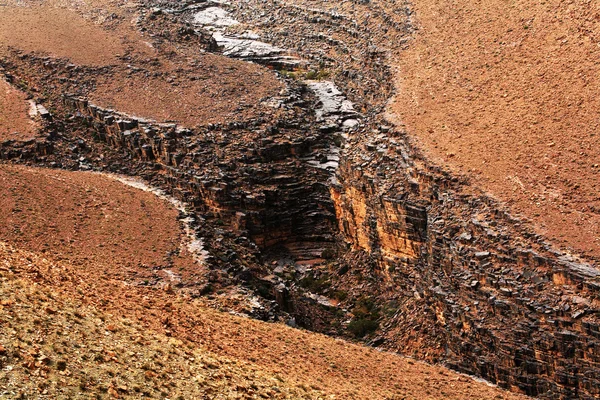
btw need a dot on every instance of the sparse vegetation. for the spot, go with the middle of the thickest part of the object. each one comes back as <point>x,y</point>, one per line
<point>316,285</point>
<point>106,293</point>
<point>366,314</point>
<point>362,327</point>
<point>313,74</point>
<point>317,75</point>
<point>131,356</point>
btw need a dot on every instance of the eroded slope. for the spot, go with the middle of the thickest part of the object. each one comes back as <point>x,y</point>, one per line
<point>75,324</point>
<point>138,71</point>
<point>67,332</point>
<point>92,221</point>
<point>52,346</point>
<point>506,93</point>
<point>15,122</point>
<point>433,271</point>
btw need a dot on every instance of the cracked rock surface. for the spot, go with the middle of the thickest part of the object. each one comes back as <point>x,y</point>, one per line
<point>268,122</point>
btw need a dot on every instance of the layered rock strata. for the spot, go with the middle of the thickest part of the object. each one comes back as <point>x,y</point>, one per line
<point>265,190</point>
<point>473,285</point>
<point>456,277</point>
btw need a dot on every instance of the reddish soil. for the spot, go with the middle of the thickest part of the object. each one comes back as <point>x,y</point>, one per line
<point>108,339</point>
<point>72,322</point>
<point>58,32</point>
<point>15,122</point>
<point>88,219</point>
<point>218,88</point>
<point>507,93</point>
<point>158,80</point>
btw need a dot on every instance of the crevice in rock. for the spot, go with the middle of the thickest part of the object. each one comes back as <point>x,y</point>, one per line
<point>332,215</point>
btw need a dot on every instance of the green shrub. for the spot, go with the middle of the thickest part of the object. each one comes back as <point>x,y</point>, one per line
<point>315,285</point>
<point>365,308</point>
<point>317,75</point>
<point>362,327</point>
<point>288,74</point>
<point>340,295</point>
<point>366,313</point>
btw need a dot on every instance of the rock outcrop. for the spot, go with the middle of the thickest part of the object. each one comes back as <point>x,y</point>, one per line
<point>255,178</point>
<point>475,288</point>
<point>473,285</point>
<point>323,198</point>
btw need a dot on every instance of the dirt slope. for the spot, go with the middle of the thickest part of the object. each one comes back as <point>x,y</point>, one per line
<point>52,347</point>
<point>15,123</point>
<point>130,341</point>
<point>91,221</point>
<point>507,93</point>
<point>58,32</point>
<point>211,91</point>
<point>74,323</point>
<point>145,74</point>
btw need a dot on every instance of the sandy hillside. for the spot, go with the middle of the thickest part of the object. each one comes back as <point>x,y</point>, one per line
<point>65,333</point>
<point>75,323</point>
<point>507,93</point>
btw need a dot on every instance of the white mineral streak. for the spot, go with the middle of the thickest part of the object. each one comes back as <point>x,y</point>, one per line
<point>333,102</point>
<point>245,48</point>
<point>333,108</point>
<point>214,16</point>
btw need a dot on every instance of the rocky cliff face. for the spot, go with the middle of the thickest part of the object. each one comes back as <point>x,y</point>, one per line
<point>335,216</point>
<point>254,178</point>
<point>475,288</point>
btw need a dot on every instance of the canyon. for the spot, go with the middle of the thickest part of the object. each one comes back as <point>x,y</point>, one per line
<point>308,201</point>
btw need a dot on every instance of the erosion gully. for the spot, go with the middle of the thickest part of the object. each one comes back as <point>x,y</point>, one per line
<point>327,213</point>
